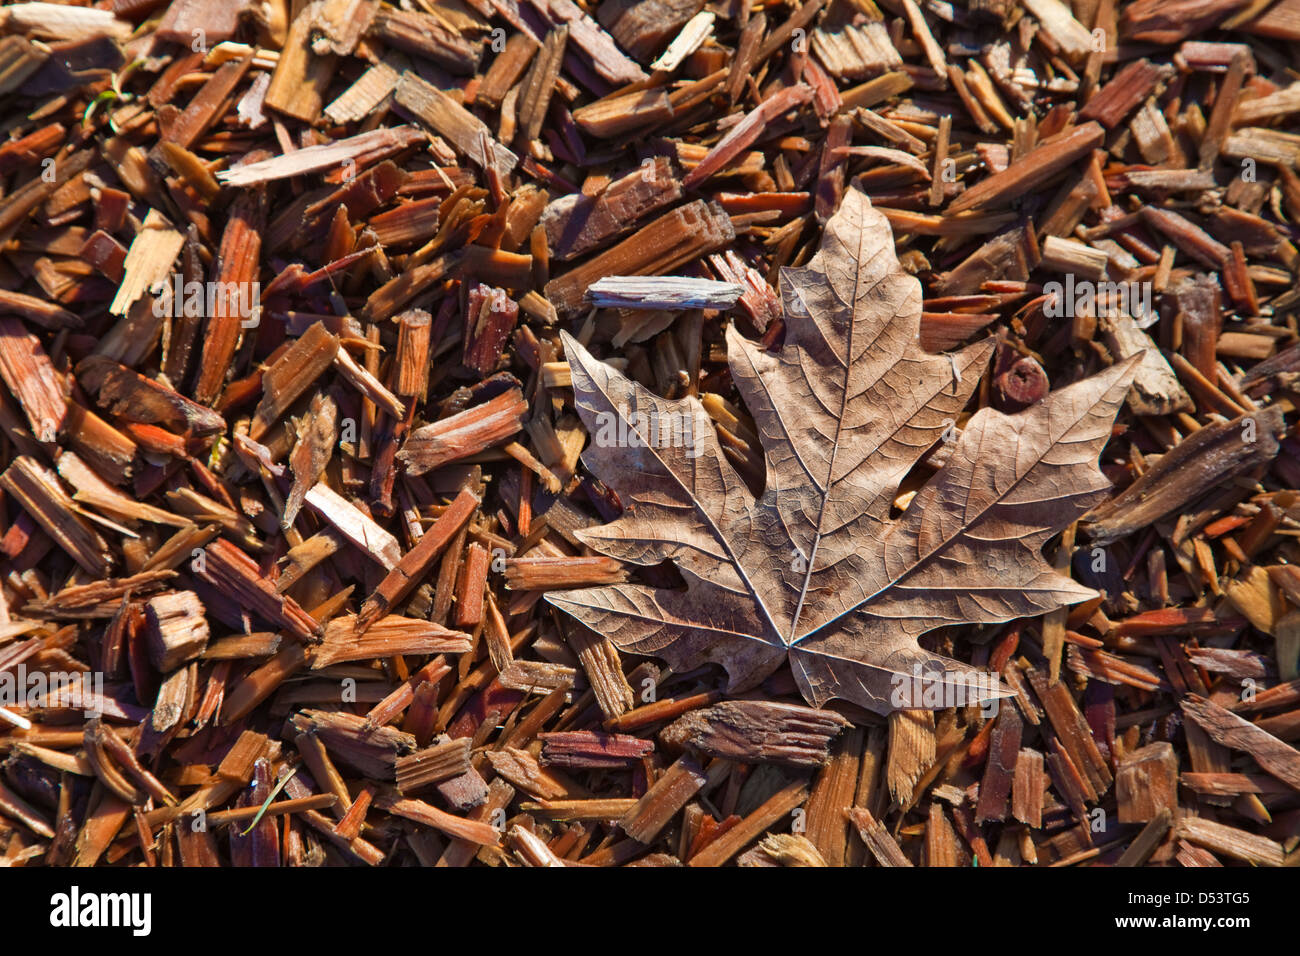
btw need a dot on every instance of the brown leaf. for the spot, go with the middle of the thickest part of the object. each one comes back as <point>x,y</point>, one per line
<point>816,571</point>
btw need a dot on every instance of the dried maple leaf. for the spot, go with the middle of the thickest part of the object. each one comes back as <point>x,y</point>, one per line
<point>816,571</point>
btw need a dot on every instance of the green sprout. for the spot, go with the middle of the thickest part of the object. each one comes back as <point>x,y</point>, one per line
<point>106,97</point>
<point>109,95</point>
<point>284,778</point>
